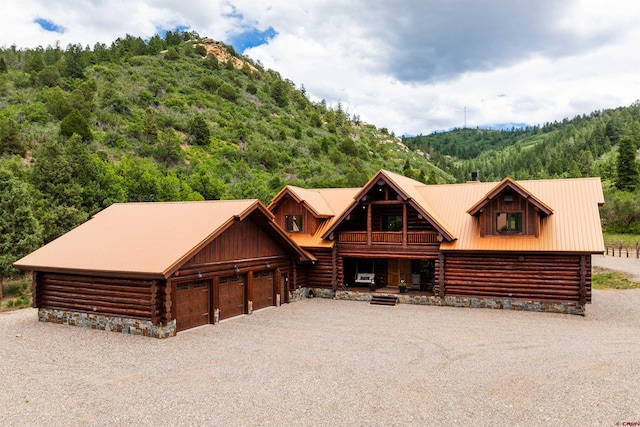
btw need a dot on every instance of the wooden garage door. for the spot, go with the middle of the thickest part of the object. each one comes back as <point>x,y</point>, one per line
<point>263,290</point>
<point>231,294</point>
<point>192,307</point>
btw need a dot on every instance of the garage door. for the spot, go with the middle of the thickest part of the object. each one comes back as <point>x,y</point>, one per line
<point>262,290</point>
<point>231,296</point>
<point>192,305</point>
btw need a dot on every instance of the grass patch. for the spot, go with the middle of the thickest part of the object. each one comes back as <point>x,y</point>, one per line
<point>609,279</point>
<point>16,294</point>
<point>625,239</point>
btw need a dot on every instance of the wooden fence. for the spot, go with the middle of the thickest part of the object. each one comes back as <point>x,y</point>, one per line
<point>623,250</point>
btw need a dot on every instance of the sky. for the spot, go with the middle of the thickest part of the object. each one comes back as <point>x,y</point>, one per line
<point>411,66</point>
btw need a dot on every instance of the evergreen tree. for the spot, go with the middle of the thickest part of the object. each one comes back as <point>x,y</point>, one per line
<point>76,123</point>
<point>199,131</point>
<point>74,61</point>
<point>279,93</point>
<point>3,65</point>
<point>20,231</point>
<point>172,54</point>
<point>10,141</point>
<point>49,77</point>
<point>627,167</point>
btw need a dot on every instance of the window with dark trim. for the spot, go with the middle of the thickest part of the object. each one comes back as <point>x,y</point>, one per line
<point>293,223</point>
<point>392,223</point>
<point>509,222</point>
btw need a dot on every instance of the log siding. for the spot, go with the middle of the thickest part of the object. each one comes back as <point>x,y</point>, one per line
<point>130,298</point>
<point>523,276</point>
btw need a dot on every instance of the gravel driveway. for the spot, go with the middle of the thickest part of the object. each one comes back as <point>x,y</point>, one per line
<point>629,266</point>
<point>327,363</point>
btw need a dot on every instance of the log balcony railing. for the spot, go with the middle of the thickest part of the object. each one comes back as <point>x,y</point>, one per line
<point>388,237</point>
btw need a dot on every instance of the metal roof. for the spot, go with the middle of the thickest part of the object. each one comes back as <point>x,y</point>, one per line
<point>325,203</point>
<point>572,226</point>
<point>147,239</point>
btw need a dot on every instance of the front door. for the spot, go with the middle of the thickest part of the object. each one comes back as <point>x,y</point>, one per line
<point>398,269</point>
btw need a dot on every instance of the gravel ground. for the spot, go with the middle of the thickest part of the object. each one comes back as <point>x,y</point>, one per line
<point>327,363</point>
<point>629,266</point>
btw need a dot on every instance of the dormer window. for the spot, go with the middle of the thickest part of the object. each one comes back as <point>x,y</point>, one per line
<point>509,222</point>
<point>293,223</point>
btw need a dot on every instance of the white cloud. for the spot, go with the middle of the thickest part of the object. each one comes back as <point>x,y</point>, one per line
<point>409,66</point>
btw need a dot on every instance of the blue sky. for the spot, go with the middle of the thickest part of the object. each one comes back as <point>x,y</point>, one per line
<point>49,26</point>
<point>412,67</point>
<point>251,38</point>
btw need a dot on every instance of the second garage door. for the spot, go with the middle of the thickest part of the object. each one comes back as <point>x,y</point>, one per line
<point>231,294</point>
<point>262,290</point>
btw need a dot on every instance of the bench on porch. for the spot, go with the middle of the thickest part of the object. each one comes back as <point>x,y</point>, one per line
<point>364,278</point>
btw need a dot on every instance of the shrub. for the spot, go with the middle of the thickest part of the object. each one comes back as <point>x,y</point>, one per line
<point>228,92</point>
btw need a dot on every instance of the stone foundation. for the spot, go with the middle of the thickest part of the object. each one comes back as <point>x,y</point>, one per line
<point>108,323</point>
<point>468,302</point>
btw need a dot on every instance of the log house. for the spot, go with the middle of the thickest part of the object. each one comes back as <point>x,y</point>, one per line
<point>159,268</point>
<point>497,243</point>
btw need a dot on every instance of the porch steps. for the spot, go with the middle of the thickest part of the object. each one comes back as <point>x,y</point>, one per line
<point>378,299</point>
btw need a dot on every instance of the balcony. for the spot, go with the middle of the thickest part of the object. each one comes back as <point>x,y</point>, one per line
<point>388,237</point>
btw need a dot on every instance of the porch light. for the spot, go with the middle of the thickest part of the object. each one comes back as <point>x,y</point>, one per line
<point>199,275</point>
<point>236,269</point>
<point>266,264</point>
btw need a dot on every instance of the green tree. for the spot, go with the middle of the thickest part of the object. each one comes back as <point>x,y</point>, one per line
<point>74,61</point>
<point>10,141</point>
<point>199,131</point>
<point>20,231</point>
<point>35,62</point>
<point>169,149</point>
<point>200,50</point>
<point>279,93</point>
<point>3,65</point>
<point>57,103</point>
<point>76,123</point>
<point>172,54</point>
<point>228,92</point>
<point>49,77</point>
<point>626,166</point>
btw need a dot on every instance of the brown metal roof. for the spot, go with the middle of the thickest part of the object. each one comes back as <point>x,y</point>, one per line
<point>511,184</point>
<point>325,203</point>
<point>572,226</point>
<point>148,239</point>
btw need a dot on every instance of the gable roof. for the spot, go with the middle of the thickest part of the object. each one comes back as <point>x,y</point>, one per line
<point>407,188</point>
<point>508,183</point>
<point>573,227</point>
<point>147,239</point>
<point>571,220</point>
<point>325,203</point>
<point>311,198</point>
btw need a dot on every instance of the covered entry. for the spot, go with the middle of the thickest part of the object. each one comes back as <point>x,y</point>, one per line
<point>192,307</point>
<point>418,274</point>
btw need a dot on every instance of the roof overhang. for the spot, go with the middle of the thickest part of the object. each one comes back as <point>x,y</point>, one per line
<point>510,184</point>
<point>381,178</point>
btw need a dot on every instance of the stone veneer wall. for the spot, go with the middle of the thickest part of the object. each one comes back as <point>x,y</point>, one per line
<point>108,323</point>
<point>469,302</point>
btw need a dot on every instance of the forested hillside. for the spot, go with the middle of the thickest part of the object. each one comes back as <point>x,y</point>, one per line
<point>180,117</point>
<point>603,144</point>
<point>171,118</point>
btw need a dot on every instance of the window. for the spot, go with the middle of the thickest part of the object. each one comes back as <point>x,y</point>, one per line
<point>392,223</point>
<point>293,223</point>
<point>509,222</point>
